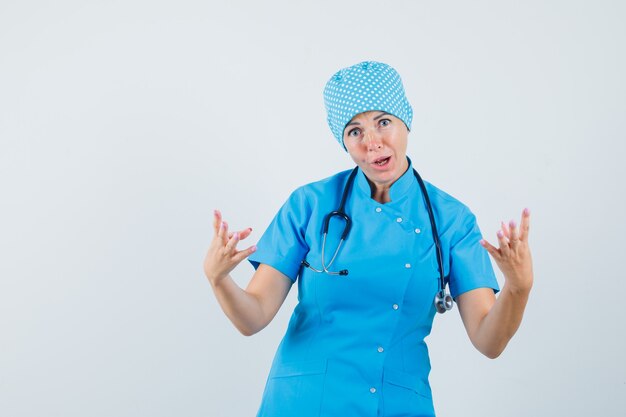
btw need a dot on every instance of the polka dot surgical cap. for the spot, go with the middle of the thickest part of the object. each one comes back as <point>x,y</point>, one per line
<point>363,87</point>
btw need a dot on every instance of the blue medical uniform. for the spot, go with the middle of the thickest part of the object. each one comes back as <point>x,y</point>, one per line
<point>355,344</point>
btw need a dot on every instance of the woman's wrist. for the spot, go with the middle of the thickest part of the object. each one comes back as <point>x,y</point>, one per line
<point>518,290</point>
<point>217,280</point>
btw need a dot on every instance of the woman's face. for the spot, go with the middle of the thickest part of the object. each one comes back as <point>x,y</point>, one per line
<point>377,142</point>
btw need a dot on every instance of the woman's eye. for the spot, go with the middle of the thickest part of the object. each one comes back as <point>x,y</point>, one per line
<point>385,122</point>
<point>354,133</point>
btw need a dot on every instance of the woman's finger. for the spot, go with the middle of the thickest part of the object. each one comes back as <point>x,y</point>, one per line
<point>505,229</point>
<point>513,235</point>
<point>242,233</point>
<point>217,221</point>
<point>231,246</point>
<point>224,232</point>
<point>492,250</point>
<point>220,231</point>
<point>245,233</point>
<point>504,244</point>
<point>525,224</point>
<point>241,255</point>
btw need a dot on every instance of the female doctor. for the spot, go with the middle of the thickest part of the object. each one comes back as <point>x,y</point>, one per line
<point>355,342</point>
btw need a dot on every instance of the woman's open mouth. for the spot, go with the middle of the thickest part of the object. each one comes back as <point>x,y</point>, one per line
<point>381,162</point>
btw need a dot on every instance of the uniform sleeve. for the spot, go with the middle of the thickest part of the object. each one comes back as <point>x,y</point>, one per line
<point>283,245</point>
<point>470,266</point>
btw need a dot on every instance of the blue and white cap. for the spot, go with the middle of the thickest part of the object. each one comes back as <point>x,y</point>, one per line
<point>363,87</point>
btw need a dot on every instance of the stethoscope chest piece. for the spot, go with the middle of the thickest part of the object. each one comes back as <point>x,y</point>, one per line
<point>443,302</point>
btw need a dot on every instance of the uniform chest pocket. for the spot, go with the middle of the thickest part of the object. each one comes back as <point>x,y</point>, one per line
<point>294,389</point>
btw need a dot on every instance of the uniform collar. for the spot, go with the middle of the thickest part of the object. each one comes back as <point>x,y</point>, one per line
<point>398,189</point>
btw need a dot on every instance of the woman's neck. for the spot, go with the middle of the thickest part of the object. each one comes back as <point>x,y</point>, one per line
<point>380,193</point>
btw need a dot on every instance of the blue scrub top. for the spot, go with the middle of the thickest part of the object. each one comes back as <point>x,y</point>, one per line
<point>355,344</point>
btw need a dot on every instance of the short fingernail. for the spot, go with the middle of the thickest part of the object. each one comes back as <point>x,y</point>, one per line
<point>526,211</point>
<point>236,235</point>
<point>500,233</point>
<point>253,248</point>
<point>512,224</point>
<point>482,242</point>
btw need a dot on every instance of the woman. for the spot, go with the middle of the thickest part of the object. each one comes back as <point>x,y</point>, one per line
<point>355,342</point>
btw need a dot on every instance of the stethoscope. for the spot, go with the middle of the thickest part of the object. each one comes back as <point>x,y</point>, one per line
<point>443,299</point>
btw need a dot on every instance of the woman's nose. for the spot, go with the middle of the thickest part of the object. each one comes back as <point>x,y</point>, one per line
<point>373,140</point>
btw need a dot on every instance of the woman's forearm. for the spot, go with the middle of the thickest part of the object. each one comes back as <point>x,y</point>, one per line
<point>252,309</point>
<point>242,308</point>
<point>501,322</point>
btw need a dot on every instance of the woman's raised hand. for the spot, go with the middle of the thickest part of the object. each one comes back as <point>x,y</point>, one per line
<point>223,256</point>
<point>513,256</point>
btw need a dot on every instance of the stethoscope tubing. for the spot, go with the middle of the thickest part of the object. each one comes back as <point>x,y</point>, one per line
<point>443,300</point>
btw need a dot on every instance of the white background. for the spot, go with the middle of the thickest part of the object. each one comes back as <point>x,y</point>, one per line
<point>123,124</point>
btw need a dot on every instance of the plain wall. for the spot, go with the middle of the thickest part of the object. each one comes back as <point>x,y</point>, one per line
<point>123,124</point>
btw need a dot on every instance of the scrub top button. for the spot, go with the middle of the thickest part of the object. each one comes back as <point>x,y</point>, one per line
<point>407,266</point>
<point>373,390</point>
<point>418,231</point>
<point>395,306</point>
<point>378,209</point>
<point>380,349</point>
<point>399,219</point>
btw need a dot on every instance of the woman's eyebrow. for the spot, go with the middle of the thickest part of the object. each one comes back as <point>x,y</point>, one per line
<point>375,118</point>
